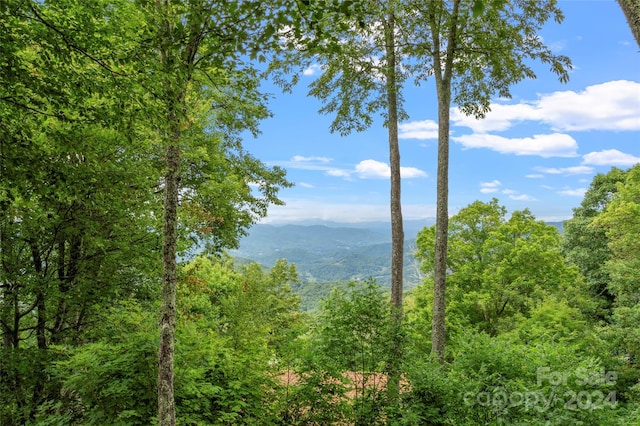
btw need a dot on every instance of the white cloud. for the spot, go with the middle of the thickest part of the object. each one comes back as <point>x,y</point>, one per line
<point>522,197</point>
<point>301,158</point>
<point>552,145</point>
<point>575,170</point>
<point>534,176</point>
<point>372,169</point>
<point>489,187</point>
<point>500,118</point>
<point>306,185</point>
<point>578,192</point>
<point>314,69</point>
<point>305,163</point>
<point>410,172</point>
<point>610,157</point>
<point>426,129</point>
<point>339,173</point>
<point>613,105</point>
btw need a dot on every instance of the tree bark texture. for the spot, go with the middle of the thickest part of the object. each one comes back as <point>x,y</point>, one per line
<point>397,231</point>
<point>166,404</point>
<point>631,9</point>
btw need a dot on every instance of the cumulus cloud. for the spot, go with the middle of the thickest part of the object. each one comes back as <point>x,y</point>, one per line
<point>501,117</point>
<point>613,105</point>
<point>552,145</point>
<point>534,176</point>
<point>314,69</point>
<point>610,157</point>
<point>489,187</point>
<point>575,170</point>
<point>426,129</point>
<point>372,169</point>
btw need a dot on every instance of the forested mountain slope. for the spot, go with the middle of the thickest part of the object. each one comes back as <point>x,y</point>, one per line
<point>330,253</point>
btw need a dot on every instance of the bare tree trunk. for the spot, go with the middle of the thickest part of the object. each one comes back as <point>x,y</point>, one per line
<point>631,9</point>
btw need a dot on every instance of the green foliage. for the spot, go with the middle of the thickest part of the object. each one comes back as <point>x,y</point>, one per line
<point>490,47</point>
<point>500,270</point>
<point>587,246</point>
<point>499,380</point>
<point>77,209</point>
<point>341,367</point>
<point>621,223</point>
<point>360,318</point>
<point>81,118</point>
<point>110,381</point>
<point>230,332</point>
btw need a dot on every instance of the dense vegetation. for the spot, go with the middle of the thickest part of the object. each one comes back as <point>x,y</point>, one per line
<point>120,149</point>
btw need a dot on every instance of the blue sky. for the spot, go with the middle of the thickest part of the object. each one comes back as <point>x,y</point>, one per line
<point>538,150</point>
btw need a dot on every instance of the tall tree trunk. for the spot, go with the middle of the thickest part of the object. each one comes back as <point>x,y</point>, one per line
<point>438,338</point>
<point>631,9</point>
<point>173,98</point>
<point>166,404</point>
<point>442,72</point>
<point>397,231</point>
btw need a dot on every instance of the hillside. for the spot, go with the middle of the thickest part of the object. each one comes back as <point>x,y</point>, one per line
<point>329,253</point>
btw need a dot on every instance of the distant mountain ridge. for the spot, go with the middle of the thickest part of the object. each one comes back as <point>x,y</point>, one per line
<point>331,251</point>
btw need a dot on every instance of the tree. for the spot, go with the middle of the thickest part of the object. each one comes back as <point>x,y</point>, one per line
<point>77,226</point>
<point>586,245</point>
<point>102,94</point>
<point>228,324</point>
<point>631,9</point>
<point>197,55</point>
<point>473,56</point>
<point>351,341</point>
<point>621,224</point>
<point>499,270</point>
<point>356,46</point>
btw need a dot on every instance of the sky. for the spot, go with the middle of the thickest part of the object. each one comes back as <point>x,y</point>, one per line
<point>538,150</point>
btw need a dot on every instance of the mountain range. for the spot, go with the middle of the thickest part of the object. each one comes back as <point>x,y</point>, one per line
<point>331,251</point>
